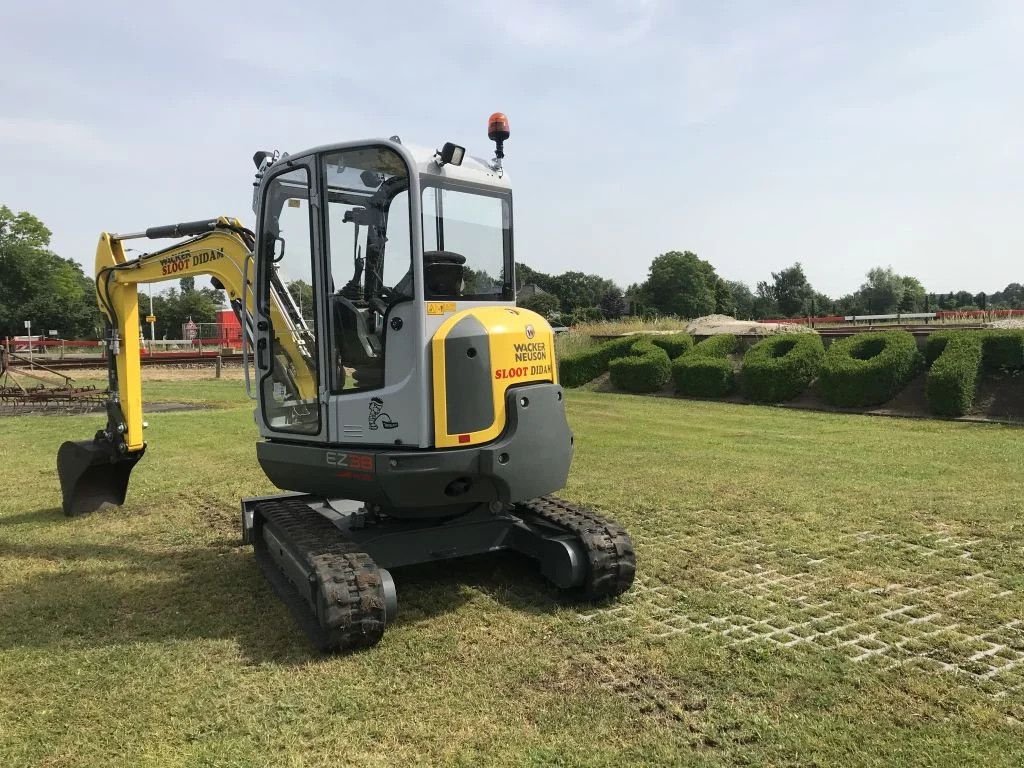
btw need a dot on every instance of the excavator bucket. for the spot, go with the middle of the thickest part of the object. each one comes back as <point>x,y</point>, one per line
<point>93,474</point>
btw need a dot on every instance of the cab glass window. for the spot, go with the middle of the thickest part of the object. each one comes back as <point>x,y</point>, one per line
<point>369,262</point>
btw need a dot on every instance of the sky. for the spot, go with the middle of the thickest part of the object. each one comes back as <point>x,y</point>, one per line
<point>843,135</point>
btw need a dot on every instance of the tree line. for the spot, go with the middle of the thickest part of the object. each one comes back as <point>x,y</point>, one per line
<point>55,294</point>
<point>682,284</point>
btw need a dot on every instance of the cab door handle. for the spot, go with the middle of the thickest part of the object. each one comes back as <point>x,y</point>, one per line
<point>261,348</point>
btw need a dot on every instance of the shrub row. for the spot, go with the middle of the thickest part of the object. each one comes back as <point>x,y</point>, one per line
<point>957,359</point>
<point>863,370</point>
<point>936,345</point>
<point>781,367</point>
<point>869,368</point>
<point>706,371</point>
<point>576,370</point>
<point>1002,349</point>
<point>954,374</point>
<point>644,369</point>
<point>674,344</point>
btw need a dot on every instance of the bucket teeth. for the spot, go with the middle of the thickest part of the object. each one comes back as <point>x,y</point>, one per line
<point>92,474</point>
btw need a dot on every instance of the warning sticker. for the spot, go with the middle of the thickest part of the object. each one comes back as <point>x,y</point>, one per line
<point>440,307</point>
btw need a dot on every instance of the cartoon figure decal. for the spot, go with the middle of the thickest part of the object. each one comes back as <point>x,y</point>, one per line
<point>377,415</point>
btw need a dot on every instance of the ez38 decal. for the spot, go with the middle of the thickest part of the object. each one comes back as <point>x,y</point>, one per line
<point>357,466</point>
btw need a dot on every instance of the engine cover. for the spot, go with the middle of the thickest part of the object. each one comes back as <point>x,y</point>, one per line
<point>477,355</point>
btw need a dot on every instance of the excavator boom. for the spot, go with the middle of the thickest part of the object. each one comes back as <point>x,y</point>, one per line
<point>95,472</point>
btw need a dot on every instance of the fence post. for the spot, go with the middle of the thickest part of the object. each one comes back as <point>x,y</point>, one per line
<point>219,361</point>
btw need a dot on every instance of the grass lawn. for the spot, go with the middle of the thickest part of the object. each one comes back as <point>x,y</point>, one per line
<point>813,589</point>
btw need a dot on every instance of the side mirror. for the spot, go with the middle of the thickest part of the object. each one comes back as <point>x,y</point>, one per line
<point>451,154</point>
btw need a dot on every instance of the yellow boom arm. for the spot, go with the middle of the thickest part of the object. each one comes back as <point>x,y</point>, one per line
<point>224,253</point>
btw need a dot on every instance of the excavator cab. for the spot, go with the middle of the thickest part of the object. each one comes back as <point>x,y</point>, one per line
<point>409,408</point>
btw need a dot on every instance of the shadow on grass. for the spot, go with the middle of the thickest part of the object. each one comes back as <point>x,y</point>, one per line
<point>52,514</point>
<point>98,595</point>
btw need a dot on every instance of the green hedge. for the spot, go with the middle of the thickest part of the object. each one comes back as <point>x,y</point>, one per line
<point>703,376</point>
<point>1002,349</point>
<point>645,369</point>
<point>954,374</point>
<point>706,371</point>
<point>716,346</point>
<point>781,367</point>
<point>576,370</point>
<point>869,368</point>
<point>936,344</point>
<point>674,344</point>
<point>957,360</point>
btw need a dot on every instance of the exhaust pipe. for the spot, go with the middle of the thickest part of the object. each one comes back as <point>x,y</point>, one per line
<point>93,473</point>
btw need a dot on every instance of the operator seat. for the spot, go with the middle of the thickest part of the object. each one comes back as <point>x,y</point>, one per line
<point>443,272</point>
<point>358,348</point>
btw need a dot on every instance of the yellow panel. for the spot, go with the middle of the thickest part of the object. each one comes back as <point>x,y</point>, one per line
<point>129,372</point>
<point>522,350</point>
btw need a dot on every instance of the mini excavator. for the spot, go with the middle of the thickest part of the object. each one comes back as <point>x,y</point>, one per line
<point>407,408</point>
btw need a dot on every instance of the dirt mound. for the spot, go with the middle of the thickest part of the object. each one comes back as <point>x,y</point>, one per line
<point>711,325</point>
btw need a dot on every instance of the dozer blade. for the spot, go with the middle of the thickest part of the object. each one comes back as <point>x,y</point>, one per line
<point>93,474</point>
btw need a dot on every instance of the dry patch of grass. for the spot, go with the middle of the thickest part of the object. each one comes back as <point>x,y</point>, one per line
<point>629,325</point>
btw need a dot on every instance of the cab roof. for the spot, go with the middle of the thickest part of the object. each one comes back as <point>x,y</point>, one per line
<point>473,169</point>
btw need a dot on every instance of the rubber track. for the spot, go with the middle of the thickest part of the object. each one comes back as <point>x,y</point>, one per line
<point>608,546</point>
<point>350,612</point>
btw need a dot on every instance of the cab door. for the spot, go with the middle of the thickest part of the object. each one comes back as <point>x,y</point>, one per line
<point>287,318</point>
<point>376,381</point>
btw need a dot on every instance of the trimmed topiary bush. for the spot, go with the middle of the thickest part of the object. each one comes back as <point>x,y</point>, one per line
<point>703,376</point>
<point>576,370</point>
<point>960,359</point>
<point>936,344</point>
<point>674,344</point>
<point>706,371</point>
<point>869,368</point>
<point>716,346</point>
<point>1002,349</point>
<point>953,377</point>
<point>781,367</point>
<point>645,369</point>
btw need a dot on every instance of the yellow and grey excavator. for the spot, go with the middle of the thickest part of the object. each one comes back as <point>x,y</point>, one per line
<point>409,409</point>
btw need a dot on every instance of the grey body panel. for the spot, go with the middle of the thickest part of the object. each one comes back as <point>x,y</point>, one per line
<point>354,422</point>
<point>468,397</point>
<point>530,459</point>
